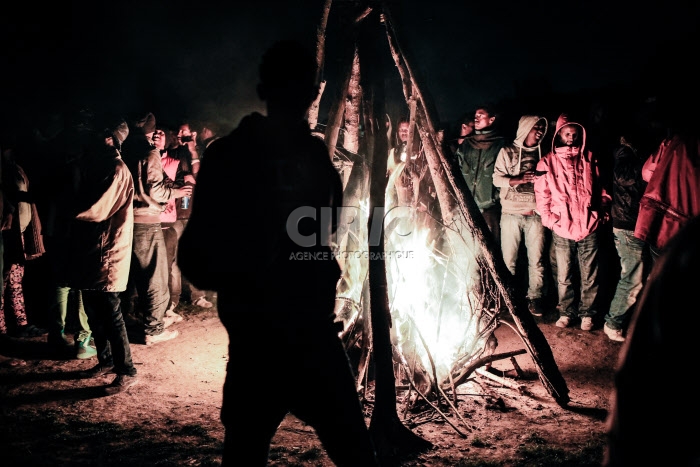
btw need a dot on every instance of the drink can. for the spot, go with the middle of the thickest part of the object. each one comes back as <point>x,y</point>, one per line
<point>185,203</point>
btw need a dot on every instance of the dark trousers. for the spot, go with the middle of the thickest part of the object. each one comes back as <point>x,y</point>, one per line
<point>108,329</point>
<point>177,283</point>
<point>319,385</point>
<point>492,216</point>
<point>149,275</point>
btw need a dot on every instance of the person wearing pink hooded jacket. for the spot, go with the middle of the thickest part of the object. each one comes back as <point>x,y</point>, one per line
<point>573,203</point>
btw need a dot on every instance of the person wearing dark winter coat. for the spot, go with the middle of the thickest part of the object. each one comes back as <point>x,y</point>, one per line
<point>476,157</point>
<point>275,274</point>
<point>627,189</point>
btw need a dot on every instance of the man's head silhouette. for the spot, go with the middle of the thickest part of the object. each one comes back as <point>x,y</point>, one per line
<point>288,78</point>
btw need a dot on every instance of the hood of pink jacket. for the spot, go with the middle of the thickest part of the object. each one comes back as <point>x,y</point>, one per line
<point>564,120</point>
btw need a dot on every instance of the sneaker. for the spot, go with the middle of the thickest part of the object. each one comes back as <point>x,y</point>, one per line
<point>98,370</point>
<point>176,318</point>
<point>586,323</point>
<point>121,383</point>
<point>203,302</point>
<point>563,322</point>
<point>83,348</point>
<point>613,334</point>
<point>85,351</point>
<point>170,319</point>
<point>162,337</point>
<point>534,307</point>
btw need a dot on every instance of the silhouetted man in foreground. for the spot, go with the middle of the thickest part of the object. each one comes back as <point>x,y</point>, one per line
<point>274,274</point>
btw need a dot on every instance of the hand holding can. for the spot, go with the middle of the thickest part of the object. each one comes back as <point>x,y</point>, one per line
<point>186,199</point>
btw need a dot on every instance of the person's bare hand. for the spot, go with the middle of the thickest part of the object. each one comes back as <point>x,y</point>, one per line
<point>528,177</point>
<point>193,142</point>
<point>525,177</point>
<point>184,191</point>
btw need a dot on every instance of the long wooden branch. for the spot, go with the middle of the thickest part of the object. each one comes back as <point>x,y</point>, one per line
<point>498,379</point>
<point>479,362</point>
<point>391,438</point>
<point>320,58</point>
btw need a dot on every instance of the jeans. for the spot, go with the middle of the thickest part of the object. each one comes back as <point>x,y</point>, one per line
<point>61,296</point>
<point>58,310</point>
<point>516,228</point>
<point>567,252</point>
<point>630,249</point>
<point>109,331</point>
<point>149,274</point>
<point>176,283</point>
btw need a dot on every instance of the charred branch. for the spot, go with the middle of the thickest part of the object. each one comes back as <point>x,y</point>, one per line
<point>391,437</point>
<point>469,369</point>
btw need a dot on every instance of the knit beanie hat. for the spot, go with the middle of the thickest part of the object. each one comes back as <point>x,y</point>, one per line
<point>147,122</point>
<point>114,126</point>
<point>120,132</point>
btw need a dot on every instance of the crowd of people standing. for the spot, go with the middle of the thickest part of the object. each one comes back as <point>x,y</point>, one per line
<point>577,202</point>
<point>112,197</point>
<point>558,200</point>
<point>92,222</point>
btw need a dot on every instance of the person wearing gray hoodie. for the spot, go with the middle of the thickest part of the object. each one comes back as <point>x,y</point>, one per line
<point>514,174</point>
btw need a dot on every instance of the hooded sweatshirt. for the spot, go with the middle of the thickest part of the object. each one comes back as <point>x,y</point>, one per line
<point>513,160</point>
<point>569,195</point>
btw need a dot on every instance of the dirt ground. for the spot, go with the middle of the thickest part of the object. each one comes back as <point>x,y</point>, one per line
<point>172,416</point>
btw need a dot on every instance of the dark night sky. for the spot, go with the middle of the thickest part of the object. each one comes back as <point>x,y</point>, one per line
<point>200,58</point>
